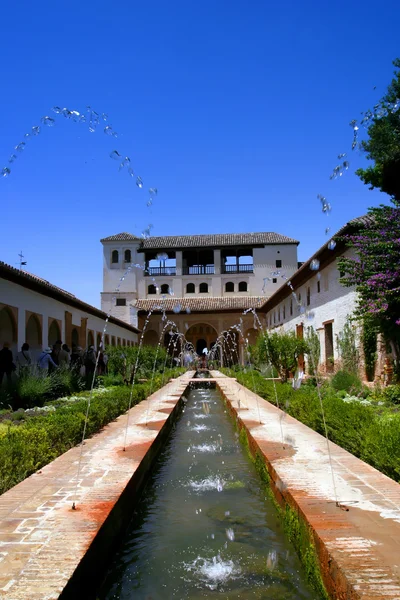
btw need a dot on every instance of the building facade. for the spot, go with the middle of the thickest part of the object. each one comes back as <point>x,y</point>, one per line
<point>34,311</point>
<point>202,282</point>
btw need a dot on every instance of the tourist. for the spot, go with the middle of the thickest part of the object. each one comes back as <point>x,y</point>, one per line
<point>45,362</point>
<point>63,356</point>
<point>101,365</point>
<point>7,365</point>
<point>89,360</point>
<point>24,360</point>
<point>76,358</point>
<point>105,360</point>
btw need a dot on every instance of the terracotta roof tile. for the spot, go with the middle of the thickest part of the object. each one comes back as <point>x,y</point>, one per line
<point>203,304</point>
<point>201,241</point>
<point>121,237</point>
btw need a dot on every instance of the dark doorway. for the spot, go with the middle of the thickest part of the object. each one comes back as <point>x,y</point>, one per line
<point>200,345</point>
<point>329,362</point>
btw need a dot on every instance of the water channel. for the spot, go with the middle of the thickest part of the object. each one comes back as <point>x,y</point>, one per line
<point>204,528</point>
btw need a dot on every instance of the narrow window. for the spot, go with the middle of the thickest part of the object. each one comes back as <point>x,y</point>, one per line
<point>284,311</point>
<point>229,286</point>
<point>190,289</point>
<point>114,257</point>
<point>128,256</point>
<point>274,280</point>
<point>291,307</point>
<point>308,296</point>
<point>318,286</point>
<point>151,289</point>
<point>203,289</point>
<point>278,264</point>
<point>243,286</point>
<point>120,302</point>
<point>279,314</point>
<point>299,297</point>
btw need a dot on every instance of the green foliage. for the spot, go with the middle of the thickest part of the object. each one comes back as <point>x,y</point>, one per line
<point>34,390</point>
<point>122,360</point>
<point>369,341</point>
<point>391,393</point>
<point>282,350</point>
<point>343,380</point>
<point>27,447</point>
<point>354,424</point>
<point>383,145</point>
<point>348,348</point>
<point>314,350</point>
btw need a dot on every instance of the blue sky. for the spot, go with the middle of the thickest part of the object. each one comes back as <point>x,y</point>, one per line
<point>234,110</point>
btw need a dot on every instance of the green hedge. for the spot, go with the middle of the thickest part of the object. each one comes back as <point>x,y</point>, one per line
<point>28,447</point>
<point>370,433</point>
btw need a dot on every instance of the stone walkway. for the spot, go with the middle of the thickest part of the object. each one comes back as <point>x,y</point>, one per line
<point>42,540</point>
<point>358,542</point>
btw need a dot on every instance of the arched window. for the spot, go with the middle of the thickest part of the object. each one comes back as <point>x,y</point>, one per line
<point>127,256</point>
<point>243,286</point>
<point>115,257</point>
<point>151,289</point>
<point>203,289</point>
<point>90,339</point>
<point>229,286</point>
<point>190,289</point>
<point>54,333</point>
<point>165,288</point>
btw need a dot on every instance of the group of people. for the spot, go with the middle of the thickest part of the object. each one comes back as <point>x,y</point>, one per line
<point>59,356</point>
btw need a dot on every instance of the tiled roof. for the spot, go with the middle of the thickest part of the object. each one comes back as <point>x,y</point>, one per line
<point>202,241</point>
<point>121,237</point>
<point>42,286</point>
<point>215,239</point>
<point>203,304</point>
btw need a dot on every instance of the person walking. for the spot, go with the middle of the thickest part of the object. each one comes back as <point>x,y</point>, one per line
<point>7,365</point>
<point>24,360</point>
<point>63,357</point>
<point>45,361</point>
<point>89,360</point>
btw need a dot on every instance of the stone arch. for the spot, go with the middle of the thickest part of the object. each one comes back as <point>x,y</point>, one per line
<point>90,338</point>
<point>113,340</point>
<point>201,331</point>
<point>243,286</point>
<point>75,337</point>
<point>107,340</point>
<point>8,327</point>
<point>229,286</point>
<point>98,341</point>
<point>33,333</point>
<point>54,332</point>
<point>150,338</point>
<point>190,288</point>
<point>203,288</point>
<point>118,341</point>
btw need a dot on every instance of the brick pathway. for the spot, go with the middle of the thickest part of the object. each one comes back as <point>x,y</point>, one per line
<point>359,542</point>
<point>42,540</point>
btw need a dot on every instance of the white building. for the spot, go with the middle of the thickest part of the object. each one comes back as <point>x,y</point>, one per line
<point>212,278</point>
<point>33,310</point>
<point>326,304</point>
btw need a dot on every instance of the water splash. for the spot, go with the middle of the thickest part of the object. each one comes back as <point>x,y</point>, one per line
<point>5,172</point>
<point>314,264</point>
<point>213,572</point>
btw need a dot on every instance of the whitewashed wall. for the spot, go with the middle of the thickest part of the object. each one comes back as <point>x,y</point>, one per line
<point>15,295</point>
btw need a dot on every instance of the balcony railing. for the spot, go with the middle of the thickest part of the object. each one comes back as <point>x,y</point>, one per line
<point>198,270</point>
<point>237,268</point>
<point>154,271</point>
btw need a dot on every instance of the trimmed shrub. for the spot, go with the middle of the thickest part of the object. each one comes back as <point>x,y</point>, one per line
<point>40,439</point>
<point>343,380</point>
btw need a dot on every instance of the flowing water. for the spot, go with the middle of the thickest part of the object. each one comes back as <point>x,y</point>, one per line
<point>204,528</point>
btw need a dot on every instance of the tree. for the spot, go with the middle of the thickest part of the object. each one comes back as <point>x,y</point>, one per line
<point>282,350</point>
<point>383,143</point>
<point>347,344</point>
<point>375,269</point>
<point>314,350</point>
